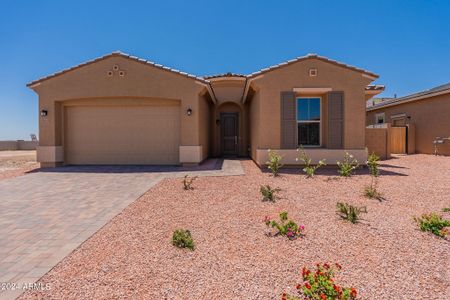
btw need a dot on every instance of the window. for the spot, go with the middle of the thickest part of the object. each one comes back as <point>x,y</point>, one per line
<point>308,121</point>
<point>379,118</point>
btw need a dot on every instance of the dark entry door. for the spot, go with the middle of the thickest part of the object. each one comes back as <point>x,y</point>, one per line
<point>229,133</point>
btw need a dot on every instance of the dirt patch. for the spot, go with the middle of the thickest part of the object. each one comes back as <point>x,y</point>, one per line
<point>383,257</point>
<point>16,163</point>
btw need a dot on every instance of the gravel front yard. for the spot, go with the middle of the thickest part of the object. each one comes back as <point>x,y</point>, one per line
<point>383,257</point>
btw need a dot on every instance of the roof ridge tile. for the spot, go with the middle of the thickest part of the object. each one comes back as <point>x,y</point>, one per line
<point>115,53</point>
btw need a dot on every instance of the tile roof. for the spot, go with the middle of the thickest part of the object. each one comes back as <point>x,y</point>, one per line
<point>229,74</point>
<point>121,54</point>
<point>203,79</point>
<point>322,58</point>
<point>420,95</point>
<point>373,101</point>
<point>374,87</point>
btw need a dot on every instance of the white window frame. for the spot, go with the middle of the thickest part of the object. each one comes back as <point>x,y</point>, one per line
<point>298,121</point>
<point>380,115</point>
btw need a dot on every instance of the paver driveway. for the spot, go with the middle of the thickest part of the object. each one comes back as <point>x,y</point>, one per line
<point>46,215</point>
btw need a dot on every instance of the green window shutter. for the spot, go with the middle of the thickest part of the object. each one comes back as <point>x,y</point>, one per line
<point>335,120</point>
<point>288,121</point>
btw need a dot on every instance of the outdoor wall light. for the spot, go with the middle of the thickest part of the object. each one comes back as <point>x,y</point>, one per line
<point>44,113</point>
<point>189,111</point>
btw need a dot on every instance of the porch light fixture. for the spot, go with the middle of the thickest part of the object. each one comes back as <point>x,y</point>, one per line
<point>189,111</point>
<point>44,113</point>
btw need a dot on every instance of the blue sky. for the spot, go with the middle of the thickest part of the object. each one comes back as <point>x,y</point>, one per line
<point>406,42</point>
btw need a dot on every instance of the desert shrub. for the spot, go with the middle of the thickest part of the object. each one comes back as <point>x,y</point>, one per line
<point>348,165</point>
<point>433,223</point>
<point>372,164</point>
<point>320,284</point>
<point>285,227</point>
<point>188,181</point>
<point>274,163</point>
<point>446,209</point>
<point>349,212</point>
<point>371,191</point>
<point>309,169</point>
<point>182,238</point>
<point>268,193</point>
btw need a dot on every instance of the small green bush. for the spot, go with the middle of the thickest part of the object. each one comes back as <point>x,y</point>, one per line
<point>349,212</point>
<point>309,169</point>
<point>433,223</point>
<point>285,227</point>
<point>274,163</point>
<point>371,191</point>
<point>188,181</point>
<point>182,238</point>
<point>268,193</point>
<point>348,165</point>
<point>372,164</point>
<point>446,209</point>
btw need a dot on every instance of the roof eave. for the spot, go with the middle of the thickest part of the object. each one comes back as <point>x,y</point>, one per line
<point>407,99</point>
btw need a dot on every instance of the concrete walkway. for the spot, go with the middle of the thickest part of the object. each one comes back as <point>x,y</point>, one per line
<point>46,215</point>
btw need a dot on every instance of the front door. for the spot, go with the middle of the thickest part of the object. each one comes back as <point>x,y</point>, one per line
<point>229,134</point>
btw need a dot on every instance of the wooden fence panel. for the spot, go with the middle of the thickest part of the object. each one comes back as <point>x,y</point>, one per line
<point>398,140</point>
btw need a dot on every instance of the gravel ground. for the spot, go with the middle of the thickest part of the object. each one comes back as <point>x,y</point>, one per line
<point>16,163</point>
<point>383,257</point>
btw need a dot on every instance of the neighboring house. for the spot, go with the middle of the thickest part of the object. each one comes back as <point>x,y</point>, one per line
<point>428,111</point>
<point>119,109</point>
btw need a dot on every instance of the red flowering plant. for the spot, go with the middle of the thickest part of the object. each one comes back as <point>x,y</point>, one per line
<point>320,285</point>
<point>285,227</point>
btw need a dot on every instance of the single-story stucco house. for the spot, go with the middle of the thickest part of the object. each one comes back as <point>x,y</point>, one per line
<point>119,109</point>
<point>428,111</point>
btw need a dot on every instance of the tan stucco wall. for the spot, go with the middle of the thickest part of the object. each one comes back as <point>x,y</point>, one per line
<point>204,127</point>
<point>254,124</point>
<point>141,81</point>
<point>265,107</point>
<point>431,118</point>
<point>378,142</point>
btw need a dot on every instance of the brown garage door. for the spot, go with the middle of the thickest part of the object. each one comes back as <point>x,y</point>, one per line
<point>122,135</point>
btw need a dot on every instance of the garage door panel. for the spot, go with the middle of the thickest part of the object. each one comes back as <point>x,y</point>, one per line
<point>122,135</point>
